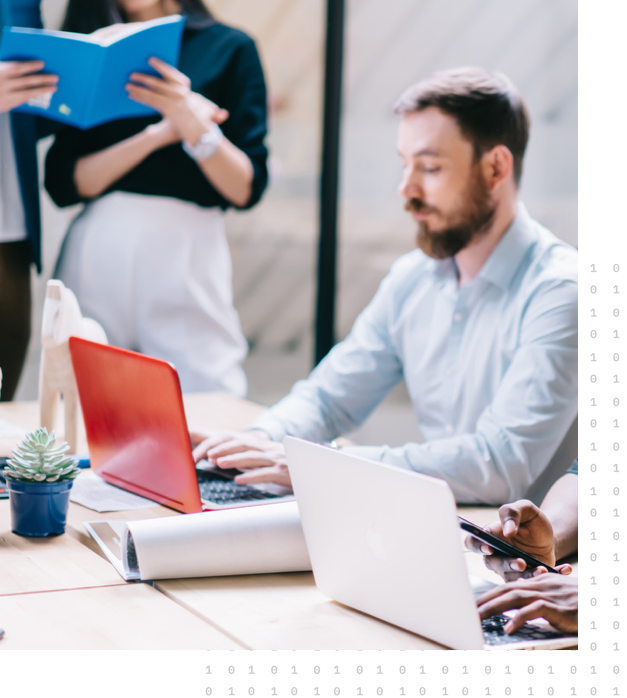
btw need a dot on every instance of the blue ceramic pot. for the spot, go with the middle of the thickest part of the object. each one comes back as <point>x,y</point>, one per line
<point>38,508</point>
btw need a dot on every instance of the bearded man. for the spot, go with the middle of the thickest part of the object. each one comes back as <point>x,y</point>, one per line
<point>480,320</point>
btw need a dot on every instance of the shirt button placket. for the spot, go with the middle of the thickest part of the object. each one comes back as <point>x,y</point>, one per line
<point>453,349</point>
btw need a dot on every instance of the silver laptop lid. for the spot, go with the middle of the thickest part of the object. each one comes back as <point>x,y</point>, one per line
<point>385,541</point>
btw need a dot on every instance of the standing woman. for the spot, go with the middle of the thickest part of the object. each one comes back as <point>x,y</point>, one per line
<point>148,257</point>
<point>20,224</point>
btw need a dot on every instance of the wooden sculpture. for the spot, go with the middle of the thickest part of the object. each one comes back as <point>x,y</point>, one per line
<point>62,319</point>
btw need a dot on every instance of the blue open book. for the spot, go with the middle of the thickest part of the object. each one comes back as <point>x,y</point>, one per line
<point>93,69</point>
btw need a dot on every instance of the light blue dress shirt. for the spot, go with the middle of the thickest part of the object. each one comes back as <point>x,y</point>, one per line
<point>491,368</point>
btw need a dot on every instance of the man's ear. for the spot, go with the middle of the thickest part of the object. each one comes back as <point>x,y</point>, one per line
<point>498,166</point>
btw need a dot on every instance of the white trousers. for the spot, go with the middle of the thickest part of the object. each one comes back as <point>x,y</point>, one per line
<point>155,272</point>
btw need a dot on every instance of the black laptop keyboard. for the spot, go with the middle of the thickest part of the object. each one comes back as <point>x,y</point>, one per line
<point>218,488</point>
<point>494,634</point>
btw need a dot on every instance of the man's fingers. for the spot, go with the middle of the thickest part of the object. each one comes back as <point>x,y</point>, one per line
<point>550,596</point>
<point>477,546</point>
<point>502,564</point>
<point>513,515</point>
<point>499,591</point>
<point>509,527</point>
<point>277,474</point>
<point>246,460</point>
<point>539,571</point>
<point>509,598</point>
<point>196,437</point>
<point>509,515</point>
<point>536,609</point>
<point>237,445</point>
<point>242,443</point>
<point>216,444</point>
<point>200,451</point>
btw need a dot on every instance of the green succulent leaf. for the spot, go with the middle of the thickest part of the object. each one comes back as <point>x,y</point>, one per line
<point>40,458</point>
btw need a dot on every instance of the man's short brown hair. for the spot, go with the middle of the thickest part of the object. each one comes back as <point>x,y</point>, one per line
<point>487,107</point>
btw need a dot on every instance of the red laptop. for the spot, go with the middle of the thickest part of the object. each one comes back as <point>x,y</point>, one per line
<point>138,437</point>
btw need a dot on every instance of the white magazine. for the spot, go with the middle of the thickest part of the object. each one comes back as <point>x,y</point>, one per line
<point>249,540</point>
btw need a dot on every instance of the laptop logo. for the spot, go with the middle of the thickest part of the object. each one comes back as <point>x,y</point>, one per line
<point>375,543</point>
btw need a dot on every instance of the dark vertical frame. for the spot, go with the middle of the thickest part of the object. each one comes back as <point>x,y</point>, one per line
<point>329,180</point>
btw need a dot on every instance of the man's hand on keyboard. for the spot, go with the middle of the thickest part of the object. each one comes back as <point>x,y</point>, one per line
<point>252,452</point>
<point>550,596</point>
<point>204,442</point>
<point>524,525</point>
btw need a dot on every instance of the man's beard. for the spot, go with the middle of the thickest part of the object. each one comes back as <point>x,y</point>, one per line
<point>473,218</point>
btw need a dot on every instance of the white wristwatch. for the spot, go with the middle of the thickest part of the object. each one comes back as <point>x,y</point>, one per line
<point>207,144</point>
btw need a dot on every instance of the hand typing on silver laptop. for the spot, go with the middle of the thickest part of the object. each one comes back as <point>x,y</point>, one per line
<point>260,459</point>
<point>549,533</point>
<point>552,597</point>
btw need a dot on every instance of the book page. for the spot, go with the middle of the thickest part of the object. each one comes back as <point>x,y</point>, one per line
<point>110,536</point>
<point>115,32</point>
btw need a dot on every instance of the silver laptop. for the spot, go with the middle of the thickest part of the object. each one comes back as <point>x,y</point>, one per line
<point>386,541</point>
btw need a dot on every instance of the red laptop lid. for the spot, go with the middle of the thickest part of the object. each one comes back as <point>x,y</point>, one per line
<point>135,423</point>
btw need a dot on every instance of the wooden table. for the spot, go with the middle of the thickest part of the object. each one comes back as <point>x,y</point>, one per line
<point>120,617</point>
<point>49,587</point>
<point>61,593</point>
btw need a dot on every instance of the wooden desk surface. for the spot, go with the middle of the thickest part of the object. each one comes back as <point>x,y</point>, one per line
<point>122,617</point>
<point>74,560</point>
<point>277,611</point>
<point>286,611</point>
<point>47,564</point>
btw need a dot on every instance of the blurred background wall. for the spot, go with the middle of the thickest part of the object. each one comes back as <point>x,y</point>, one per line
<point>388,46</point>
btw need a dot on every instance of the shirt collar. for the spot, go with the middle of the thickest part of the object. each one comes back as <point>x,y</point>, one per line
<point>507,256</point>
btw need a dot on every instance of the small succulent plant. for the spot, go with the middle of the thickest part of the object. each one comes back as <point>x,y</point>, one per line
<point>40,459</point>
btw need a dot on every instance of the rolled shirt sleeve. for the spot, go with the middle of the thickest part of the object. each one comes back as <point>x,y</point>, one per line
<point>246,100</point>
